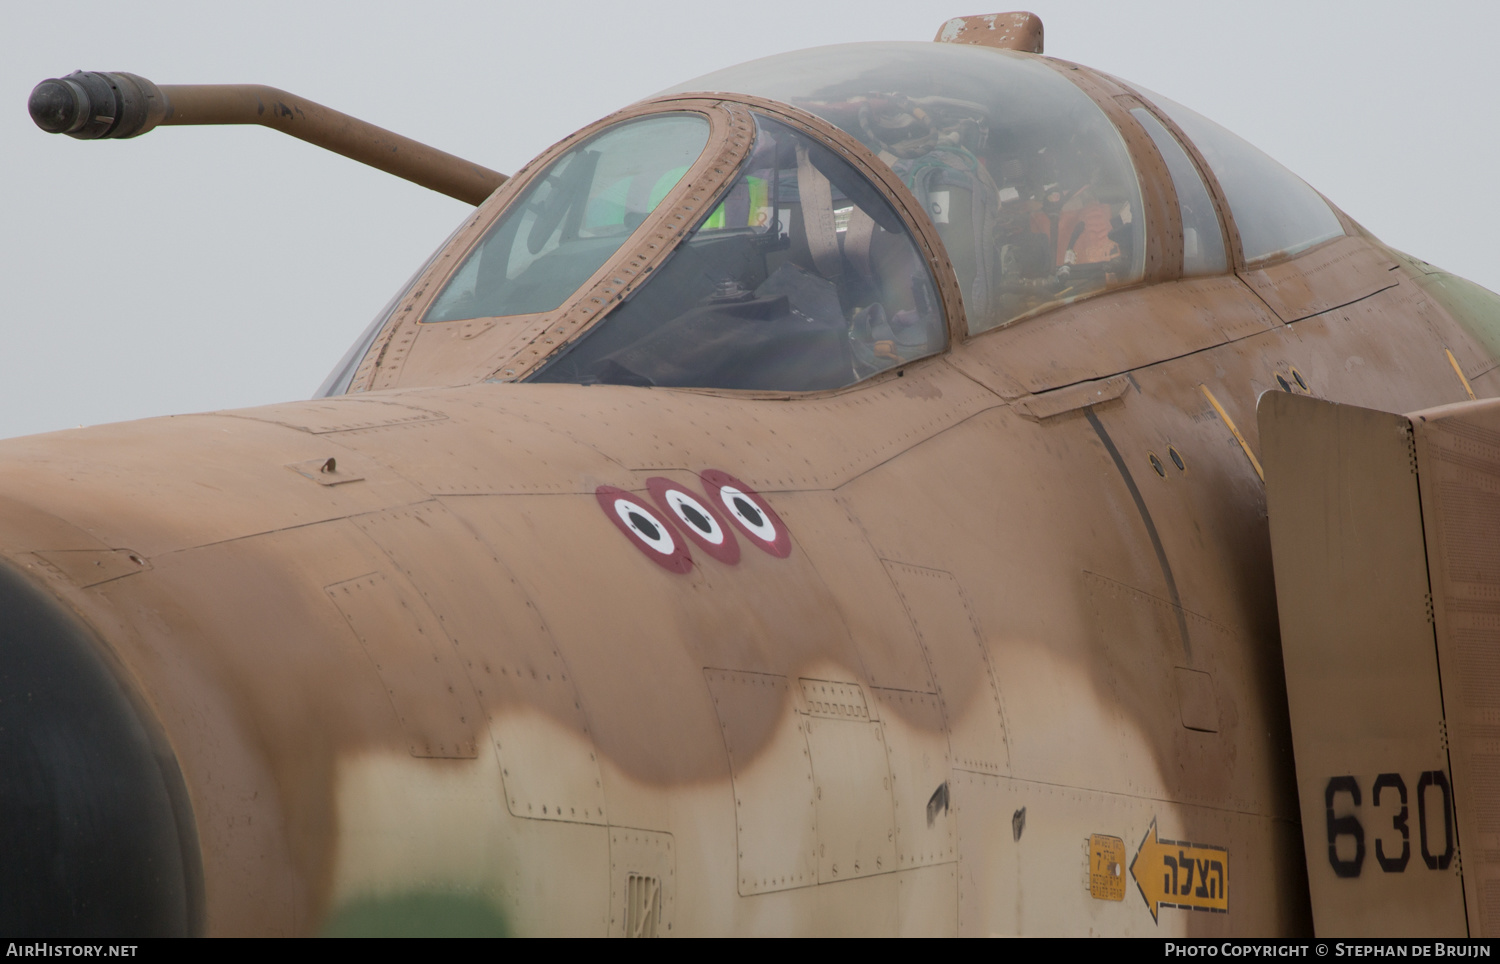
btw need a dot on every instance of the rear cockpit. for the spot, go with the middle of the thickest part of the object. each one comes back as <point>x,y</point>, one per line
<point>1028,183</point>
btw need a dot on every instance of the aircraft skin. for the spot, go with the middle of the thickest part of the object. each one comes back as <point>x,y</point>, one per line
<point>396,660</point>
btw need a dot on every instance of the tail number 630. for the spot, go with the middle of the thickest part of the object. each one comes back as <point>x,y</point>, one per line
<point>1393,847</point>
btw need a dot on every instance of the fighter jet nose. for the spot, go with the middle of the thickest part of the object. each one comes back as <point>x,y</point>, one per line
<point>96,838</point>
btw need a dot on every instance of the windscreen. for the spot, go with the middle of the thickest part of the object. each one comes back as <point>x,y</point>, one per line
<point>803,278</point>
<point>570,220</point>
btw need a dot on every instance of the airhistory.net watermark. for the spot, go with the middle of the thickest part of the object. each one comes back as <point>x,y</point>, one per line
<point>68,949</point>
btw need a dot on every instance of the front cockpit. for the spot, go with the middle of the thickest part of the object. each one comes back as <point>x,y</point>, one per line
<point>806,221</point>
<point>802,278</point>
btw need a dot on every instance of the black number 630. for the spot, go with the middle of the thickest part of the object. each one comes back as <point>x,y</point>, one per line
<point>1348,825</point>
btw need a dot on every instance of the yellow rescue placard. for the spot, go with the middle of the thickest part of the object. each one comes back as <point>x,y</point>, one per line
<point>1173,873</point>
<point>1106,867</point>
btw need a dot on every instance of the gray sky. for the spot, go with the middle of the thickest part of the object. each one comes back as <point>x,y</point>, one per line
<point>203,268</point>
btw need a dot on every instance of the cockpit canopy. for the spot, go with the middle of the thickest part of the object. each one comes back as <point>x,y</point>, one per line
<point>722,235</point>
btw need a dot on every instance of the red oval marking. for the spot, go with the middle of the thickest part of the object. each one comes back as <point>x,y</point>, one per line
<point>760,524</point>
<point>675,499</point>
<point>624,509</point>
